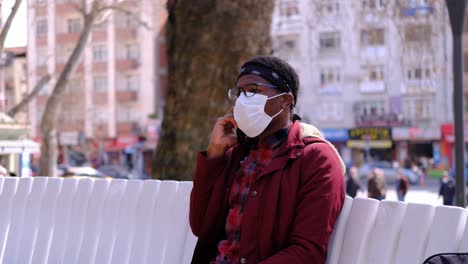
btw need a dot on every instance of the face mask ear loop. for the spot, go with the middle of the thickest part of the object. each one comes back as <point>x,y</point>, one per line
<point>277,113</point>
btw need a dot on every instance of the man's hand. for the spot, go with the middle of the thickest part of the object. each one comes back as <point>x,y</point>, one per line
<point>223,135</point>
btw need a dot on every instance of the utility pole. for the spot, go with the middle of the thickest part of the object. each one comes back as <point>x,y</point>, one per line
<point>456,10</point>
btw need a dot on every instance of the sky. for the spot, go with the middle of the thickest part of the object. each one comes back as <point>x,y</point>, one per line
<point>18,34</point>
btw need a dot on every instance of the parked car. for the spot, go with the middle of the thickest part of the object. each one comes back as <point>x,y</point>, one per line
<point>115,171</point>
<point>82,172</point>
<point>390,171</point>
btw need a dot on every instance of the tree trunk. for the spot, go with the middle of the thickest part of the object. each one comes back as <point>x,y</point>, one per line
<point>49,122</point>
<point>42,82</point>
<point>207,42</point>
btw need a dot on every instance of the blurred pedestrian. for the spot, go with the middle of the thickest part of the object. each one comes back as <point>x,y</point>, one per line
<point>376,185</point>
<point>352,184</point>
<point>3,171</point>
<point>402,185</point>
<point>447,189</point>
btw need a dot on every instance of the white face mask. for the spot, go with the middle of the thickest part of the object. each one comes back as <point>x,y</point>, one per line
<point>249,113</point>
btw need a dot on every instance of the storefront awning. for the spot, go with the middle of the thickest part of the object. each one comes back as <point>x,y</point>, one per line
<point>18,146</point>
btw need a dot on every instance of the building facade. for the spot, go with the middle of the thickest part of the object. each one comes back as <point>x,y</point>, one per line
<point>372,66</point>
<point>119,85</point>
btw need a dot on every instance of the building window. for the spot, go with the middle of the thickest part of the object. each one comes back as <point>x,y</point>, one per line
<point>41,27</point>
<point>373,4</point>
<point>40,2</point>
<point>100,83</point>
<point>418,33</point>
<point>132,51</point>
<point>123,20</point>
<point>289,8</point>
<point>419,73</point>
<point>329,76</point>
<point>99,53</point>
<point>126,113</point>
<point>41,58</point>
<point>374,73</point>
<point>130,82</point>
<point>373,37</point>
<point>63,53</point>
<point>331,112</point>
<point>101,116</point>
<point>74,25</point>
<point>419,108</point>
<point>330,7</point>
<point>330,41</point>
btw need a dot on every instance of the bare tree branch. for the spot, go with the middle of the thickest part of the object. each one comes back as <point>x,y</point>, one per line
<point>25,101</point>
<point>7,25</point>
<point>106,10</point>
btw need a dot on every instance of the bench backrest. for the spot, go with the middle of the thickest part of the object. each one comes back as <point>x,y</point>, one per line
<point>54,220</point>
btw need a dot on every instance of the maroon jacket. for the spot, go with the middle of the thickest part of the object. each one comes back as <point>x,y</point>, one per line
<point>292,208</point>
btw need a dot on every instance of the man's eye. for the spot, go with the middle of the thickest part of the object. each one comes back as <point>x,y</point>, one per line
<point>251,88</point>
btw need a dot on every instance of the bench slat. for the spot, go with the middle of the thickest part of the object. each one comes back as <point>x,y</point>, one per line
<point>93,221</point>
<point>179,227</point>
<point>360,222</point>
<point>144,221</point>
<point>77,216</point>
<point>62,221</point>
<point>10,186</point>
<point>126,223</point>
<point>29,232</point>
<point>17,220</point>
<point>414,233</point>
<point>384,236</point>
<point>46,221</point>
<point>160,228</point>
<point>446,230</point>
<point>337,237</point>
<point>110,214</point>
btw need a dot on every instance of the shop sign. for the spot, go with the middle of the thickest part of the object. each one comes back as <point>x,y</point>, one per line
<point>364,138</point>
<point>448,132</point>
<point>370,133</point>
<point>415,133</point>
<point>335,135</point>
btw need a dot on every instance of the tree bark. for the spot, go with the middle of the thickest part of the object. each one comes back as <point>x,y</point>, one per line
<point>49,122</point>
<point>7,25</point>
<point>207,42</point>
<point>17,108</point>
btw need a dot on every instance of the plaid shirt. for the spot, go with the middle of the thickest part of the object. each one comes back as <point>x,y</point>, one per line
<point>260,155</point>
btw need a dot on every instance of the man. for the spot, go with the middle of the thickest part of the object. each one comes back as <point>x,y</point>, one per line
<point>402,185</point>
<point>447,189</point>
<point>268,189</point>
<point>376,185</point>
<point>352,184</point>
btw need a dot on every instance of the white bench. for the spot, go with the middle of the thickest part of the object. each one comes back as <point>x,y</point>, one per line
<point>52,220</point>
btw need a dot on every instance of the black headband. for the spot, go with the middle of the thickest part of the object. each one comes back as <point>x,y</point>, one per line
<point>266,74</point>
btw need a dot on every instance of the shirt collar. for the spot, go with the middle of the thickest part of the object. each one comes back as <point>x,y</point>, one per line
<point>274,140</point>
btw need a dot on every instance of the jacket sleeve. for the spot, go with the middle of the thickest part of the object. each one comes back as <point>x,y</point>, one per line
<point>207,174</point>
<point>320,199</point>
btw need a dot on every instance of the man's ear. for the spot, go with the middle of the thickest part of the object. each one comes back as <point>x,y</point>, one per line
<point>287,101</point>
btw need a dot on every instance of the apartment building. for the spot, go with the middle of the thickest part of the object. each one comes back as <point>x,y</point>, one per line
<point>375,76</point>
<point>120,81</point>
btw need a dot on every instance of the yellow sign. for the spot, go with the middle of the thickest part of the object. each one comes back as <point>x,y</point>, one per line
<point>376,144</point>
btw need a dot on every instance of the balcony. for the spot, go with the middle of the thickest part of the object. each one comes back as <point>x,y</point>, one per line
<point>64,38</point>
<point>127,64</point>
<point>419,87</point>
<point>126,96</point>
<point>330,89</point>
<point>41,11</point>
<point>288,25</point>
<point>126,33</point>
<point>126,127</point>
<point>373,52</point>
<point>372,87</point>
<point>382,120</point>
<point>100,67</point>
<point>41,41</point>
<point>100,98</point>
<point>65,8</point>
<point>99,36</point>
